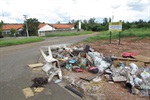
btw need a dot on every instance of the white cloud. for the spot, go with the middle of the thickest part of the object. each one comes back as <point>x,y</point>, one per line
<point>52,11</point>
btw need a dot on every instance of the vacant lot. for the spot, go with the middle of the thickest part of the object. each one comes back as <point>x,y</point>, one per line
<point>140,46</point>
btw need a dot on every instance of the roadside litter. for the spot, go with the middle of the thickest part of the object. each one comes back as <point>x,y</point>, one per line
<point>86,69</point>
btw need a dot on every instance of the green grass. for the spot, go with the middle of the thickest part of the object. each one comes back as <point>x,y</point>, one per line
<point>134,32</point>
<point>17,41</point>
<point>69,33</point>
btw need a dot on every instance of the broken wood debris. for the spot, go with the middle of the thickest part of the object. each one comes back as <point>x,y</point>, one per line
<point>35,65</point>
<point>73,90</point>
<point>28,92</point>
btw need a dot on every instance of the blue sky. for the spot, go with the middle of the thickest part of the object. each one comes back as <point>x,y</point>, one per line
<point>52,11</point>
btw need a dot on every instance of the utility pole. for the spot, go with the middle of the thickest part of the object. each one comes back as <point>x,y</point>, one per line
<point>112,17</point>
<point>25,16</point>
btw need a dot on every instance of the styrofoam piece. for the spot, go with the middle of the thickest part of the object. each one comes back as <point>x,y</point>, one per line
<point>58,81</point>
<point>119,79</point>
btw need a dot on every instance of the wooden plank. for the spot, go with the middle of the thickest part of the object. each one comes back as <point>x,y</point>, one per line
<point>37,69</point>
<point>142,58</point>
<point>88,78</point>
<point>35,65</point>
<point>127,62</point>
<point>125,59</point>
<point>139,64</point>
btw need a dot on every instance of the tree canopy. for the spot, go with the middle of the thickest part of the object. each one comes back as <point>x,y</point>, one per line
<point>1,24</point>
<point>32,24</point>
<point>92,25</point>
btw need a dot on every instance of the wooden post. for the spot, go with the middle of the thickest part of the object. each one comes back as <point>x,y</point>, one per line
<point>119,37</point>
<point>110,37</point>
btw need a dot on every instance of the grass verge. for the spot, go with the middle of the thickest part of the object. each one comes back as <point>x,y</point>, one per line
<point>140,33</point>
<point>69,33</point>
<point>17,41</point>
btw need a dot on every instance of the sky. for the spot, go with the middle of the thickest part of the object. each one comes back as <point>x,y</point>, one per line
<point>53,11</point>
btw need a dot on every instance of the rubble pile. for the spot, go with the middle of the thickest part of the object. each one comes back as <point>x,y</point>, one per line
<point>88,71</point>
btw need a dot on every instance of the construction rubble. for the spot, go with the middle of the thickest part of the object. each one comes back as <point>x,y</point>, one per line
<point>86,71</point>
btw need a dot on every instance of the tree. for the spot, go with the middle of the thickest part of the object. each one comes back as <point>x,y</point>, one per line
<point>1,24</point>
<point>91,21</point>
<point>32,24</point>
<point>105,23</point>
<point>13,31</point>
<point>109,19</point>
<point>58,22</point>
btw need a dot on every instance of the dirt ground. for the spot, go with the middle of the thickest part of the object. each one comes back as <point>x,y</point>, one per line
<point>117,91</point>
<point>139,46</point>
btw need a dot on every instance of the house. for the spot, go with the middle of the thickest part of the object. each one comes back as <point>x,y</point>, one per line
<point>63,26</point>
<point>7,27</point>
<point>47,28</point>
<point>43,28</point>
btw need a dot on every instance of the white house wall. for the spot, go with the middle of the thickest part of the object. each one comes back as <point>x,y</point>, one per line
<point>42,30</point>
<point>72,28</point>
<point>46,28</point>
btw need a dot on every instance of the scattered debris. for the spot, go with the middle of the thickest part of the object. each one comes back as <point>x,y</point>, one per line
<point>119,79</point>
<point>73,90</point>
<point>58,81</point>
<point>28,92</point>
<point>50,69</point>
<point>35,65</point>
<point>39,82</point>
<point>38,90</point>
<point>75,62</point>
<point>128,54</point>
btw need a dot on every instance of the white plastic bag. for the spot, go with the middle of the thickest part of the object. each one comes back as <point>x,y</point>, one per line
<point>145,75</point>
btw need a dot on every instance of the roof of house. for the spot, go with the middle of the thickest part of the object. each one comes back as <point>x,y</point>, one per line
<point>62,26</point>
<point>18,26</point>
<point>12,26</point>
<point>41,25</point>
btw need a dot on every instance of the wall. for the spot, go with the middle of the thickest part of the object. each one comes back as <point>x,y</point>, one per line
<point>60,31</point>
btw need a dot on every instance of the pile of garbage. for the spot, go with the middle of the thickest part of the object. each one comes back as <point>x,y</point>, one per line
<point>131,69</point>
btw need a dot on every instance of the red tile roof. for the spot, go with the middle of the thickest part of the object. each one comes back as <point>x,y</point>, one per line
<point>18,26</point>
<point>62,26</point>
<point>10,26</point>
<point>41,25</point>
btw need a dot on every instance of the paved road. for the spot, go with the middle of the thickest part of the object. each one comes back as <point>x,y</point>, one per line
<point>15,75</point>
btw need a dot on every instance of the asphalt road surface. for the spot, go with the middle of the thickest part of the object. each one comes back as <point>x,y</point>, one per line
<point>15,74</point>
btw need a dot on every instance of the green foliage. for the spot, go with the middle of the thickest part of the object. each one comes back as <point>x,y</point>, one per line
<point>32,24</point>
<point>92,25</point>
<point>0,32</point>
<point>136,32</point>
<point>12,31</point>
<point>1,24</point>
<point>132,32</point>
<point>17,41</point>
<point>69,33</point>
